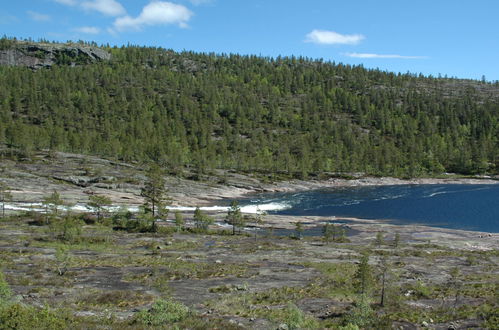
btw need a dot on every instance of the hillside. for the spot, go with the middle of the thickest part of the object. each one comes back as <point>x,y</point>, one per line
<point>282,117</point>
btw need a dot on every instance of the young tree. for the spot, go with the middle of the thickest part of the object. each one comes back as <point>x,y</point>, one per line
<point>363,275</point>
<point>52,203</point>
<point>98,204</point>
<point>179,220</point>
<point>454,284</point>
<point>327,232</point>
<point>396,240</point>
<point>63,259</point>
<point>342,232</point>
<point>384,270</point>
<point>202,220</point>
<point>234,217</point>
<point>154,191</point>
<point>5,196</point>
<point>259,220</point>
<point>298,229</point>
<point>379,240</point>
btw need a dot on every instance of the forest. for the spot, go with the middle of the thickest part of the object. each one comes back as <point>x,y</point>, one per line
<point>281,117</point>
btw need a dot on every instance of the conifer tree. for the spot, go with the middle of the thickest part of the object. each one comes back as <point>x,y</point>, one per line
<point>98,203</point>
<point>5,196</point>
<point>234,217</point>
<point>52,203</point>
<point>363,275</point>
<point>154,191</point>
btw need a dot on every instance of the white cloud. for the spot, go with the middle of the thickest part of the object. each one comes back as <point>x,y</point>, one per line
<point>38,17</point>
<point>155,13</point>
<point>323,37</point>
<point>370,55</point>
<point>88,30</point>
<point>106,7</point>
<point>67,2</point>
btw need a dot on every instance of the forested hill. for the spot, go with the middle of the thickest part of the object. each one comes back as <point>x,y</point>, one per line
<point>287,116</point>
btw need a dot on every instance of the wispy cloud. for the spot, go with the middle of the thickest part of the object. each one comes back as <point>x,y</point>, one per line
<point>88,30</point>
<point>323,37</point>
<point>106,7</point>
<point>38,17</point>
<point>370,55</point>
<point>155,13</point>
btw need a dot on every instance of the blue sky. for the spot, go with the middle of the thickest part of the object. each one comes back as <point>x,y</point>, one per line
<point>453,38</point>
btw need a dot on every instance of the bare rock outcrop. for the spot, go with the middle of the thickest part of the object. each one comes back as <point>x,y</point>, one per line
<point>38,55</point>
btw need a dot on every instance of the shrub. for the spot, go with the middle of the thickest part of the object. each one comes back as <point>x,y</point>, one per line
<point>294,318</point>
<point>67,229</point>
<point>361,315</point>
<point>19,316</point>
<point>5,291</point>
<point>163,311</point>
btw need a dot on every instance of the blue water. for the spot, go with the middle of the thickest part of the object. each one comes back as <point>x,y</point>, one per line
<point>469,207</point>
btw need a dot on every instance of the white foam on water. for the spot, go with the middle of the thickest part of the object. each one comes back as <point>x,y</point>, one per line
<point>253,209</point>
<point>265,207</point>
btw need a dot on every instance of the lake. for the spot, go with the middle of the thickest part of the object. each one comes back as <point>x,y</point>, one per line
<point>457,206</point>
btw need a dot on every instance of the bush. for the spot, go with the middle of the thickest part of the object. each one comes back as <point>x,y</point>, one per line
<point>19,316</point>
<point>5,291</point>
<point>421,290</point>
<point>67,229</point>
<point>294,318</point>
<point>163,311</point>
<point>361,315</point>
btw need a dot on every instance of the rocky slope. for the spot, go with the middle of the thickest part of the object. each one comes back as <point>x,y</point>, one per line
<point>39,55</point>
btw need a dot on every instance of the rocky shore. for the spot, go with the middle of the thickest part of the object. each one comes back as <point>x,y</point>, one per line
<point>76,176</point>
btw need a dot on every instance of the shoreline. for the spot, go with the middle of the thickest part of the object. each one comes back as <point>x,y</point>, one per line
<point>237,191</point>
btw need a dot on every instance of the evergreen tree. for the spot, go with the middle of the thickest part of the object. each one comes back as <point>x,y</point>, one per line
<point>52,203</point>
<point>99,203</point>
<point>179,220</point>
<point>154,191</point>
<point>328,231</point>
<point>363,275</point>
<point>5,196</point>
<point>202,220</point>
<point>379,240</point>
<point>298,229</point>
<point>234,217</point>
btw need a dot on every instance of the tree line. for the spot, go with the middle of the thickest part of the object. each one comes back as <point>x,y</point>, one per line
<point>285,116</point>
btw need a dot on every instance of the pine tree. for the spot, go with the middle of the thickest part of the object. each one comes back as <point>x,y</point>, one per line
<point>154,191</point>
<point>234,217</point>
<point>298,229</point>
<point>5,196</point>
<point>327,232</point>
<point>202,220</point>
<point>98,204</point>
<point>179,220</point>
<point>52,203</point>
<point>363,275</point>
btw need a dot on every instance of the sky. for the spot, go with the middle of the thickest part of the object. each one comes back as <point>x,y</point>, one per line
<point>454,38</point>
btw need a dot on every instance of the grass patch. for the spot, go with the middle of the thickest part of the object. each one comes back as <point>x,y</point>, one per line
<point>97,299</point>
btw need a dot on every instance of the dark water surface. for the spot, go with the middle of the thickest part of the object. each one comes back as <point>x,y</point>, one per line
<point>469,207</point>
